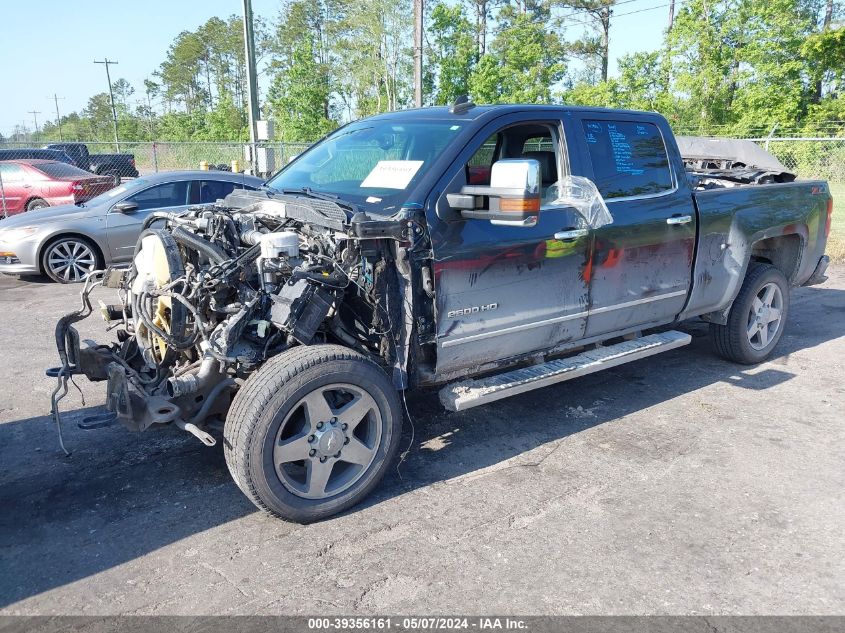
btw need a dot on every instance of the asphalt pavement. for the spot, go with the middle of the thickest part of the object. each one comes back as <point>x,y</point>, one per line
<point>679,484</point>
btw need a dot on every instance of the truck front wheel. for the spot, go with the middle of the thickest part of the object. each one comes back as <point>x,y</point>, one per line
<point>312,432</point>
<point>757,317</point>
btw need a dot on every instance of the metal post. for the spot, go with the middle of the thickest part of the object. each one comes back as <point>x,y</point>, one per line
<point>111,96</point>
<point>3,196</point>
<point>418,51</point>
<point>251,81</point>
<point>155,157</point>
<point>769,137</point>
<point>58,116</point>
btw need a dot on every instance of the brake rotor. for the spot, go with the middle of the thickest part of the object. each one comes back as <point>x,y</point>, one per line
<point>157,263</point>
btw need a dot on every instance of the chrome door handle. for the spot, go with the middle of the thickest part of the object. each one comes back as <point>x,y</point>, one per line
<point>572,234</point>
<point>679,219</point>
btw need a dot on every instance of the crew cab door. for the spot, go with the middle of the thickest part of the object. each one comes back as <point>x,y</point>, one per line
<point>641,265</point>
<point>505,291</point>
<point>124,226</point>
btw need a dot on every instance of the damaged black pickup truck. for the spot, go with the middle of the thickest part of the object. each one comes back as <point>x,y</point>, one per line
<point>486,250</point>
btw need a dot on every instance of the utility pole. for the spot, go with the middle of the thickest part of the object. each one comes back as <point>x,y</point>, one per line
<point>418,51</point>
<point>671,14</point>
<point>58,116</point>
<point>106,62</point>
<point>35,114</point>
<point>251,81</point>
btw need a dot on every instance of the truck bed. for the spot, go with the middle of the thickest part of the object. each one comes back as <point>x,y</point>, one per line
<point>733,218</point>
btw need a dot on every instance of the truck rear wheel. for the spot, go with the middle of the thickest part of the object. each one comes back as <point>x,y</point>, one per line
<point>757,317</point>
<point>312,432</point>
<point>114,174</point>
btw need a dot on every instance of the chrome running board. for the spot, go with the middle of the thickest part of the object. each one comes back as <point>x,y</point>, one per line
<point>472,393</point>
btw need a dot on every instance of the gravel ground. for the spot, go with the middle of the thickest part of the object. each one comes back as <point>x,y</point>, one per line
<point>680,484</point>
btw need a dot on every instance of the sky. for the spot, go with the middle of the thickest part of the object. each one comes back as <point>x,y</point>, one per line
<point>56,55</point>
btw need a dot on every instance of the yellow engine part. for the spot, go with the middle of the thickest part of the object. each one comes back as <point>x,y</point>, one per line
<point>153,269</point>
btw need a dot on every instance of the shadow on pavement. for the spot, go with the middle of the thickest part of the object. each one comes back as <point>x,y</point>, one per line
<point>122,495</point>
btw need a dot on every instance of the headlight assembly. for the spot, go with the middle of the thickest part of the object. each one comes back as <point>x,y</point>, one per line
<point>15,235</point>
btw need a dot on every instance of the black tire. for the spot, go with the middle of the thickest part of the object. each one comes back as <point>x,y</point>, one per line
<point>37,203</point>
<point>266,405</point>
<point>76,273</point>
<point>732,340</point>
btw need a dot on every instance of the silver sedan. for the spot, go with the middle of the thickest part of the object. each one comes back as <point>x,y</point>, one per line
<point>68,242</point>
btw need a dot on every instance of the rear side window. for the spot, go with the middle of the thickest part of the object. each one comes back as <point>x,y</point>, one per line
<point>171,194</point>
<point>628,158</point>
<point>214,190</point>
<point>61,170</point>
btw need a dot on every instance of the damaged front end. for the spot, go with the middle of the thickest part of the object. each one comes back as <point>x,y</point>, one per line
<point>214,292</point>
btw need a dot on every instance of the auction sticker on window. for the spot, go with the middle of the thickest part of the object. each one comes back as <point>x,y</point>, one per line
<point>392,174</point>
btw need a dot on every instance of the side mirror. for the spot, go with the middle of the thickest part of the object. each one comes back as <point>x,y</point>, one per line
<point>125,207</point>
<point>513,196</point>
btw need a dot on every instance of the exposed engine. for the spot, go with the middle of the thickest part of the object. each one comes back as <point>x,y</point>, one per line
<point>214,292</point>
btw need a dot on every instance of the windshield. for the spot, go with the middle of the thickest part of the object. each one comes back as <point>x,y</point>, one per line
<point>112,194</point>
<point>371,163</point>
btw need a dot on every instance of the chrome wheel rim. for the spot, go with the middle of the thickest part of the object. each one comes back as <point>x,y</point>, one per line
<point>70,260</point>
<point>327,441</point>
<point>765,316</point>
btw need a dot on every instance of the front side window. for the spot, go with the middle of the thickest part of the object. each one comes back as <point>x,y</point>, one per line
<point>534,141</point>
<point>628,157</point>
<point>171,194</point>
<point>11,173</point>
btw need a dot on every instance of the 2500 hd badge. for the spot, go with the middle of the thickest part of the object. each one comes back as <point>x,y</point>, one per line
<point>451,314</point>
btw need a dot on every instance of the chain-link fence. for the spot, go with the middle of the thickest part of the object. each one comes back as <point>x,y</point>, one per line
<point>169,155</point>
<point>809,156</point>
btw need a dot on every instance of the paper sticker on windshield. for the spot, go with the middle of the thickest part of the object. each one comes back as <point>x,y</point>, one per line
<point>392,174</point>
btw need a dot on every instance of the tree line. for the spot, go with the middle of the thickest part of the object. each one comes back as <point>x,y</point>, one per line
<point>733,66</point>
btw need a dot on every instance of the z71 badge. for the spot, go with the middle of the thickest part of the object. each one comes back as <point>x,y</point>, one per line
<point>451,314</point>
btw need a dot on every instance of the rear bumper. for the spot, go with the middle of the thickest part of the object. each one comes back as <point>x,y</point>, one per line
<point>818,276</point>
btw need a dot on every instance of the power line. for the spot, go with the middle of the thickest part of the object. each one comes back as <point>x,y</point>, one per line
<point>567,18</point>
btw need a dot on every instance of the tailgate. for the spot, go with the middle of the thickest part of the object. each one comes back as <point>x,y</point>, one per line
<point>92,187</point>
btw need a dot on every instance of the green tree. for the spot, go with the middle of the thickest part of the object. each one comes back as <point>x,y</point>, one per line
<point>373,44</point>
<point>526,61</point>
<point>737,62</point>
<point>451,54</point>
<point>593,47</point>
<point>299,96</point>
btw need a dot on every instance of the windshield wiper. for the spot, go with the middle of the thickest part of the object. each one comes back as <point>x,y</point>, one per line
<point>320,195</point>
<point>308,191</point>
